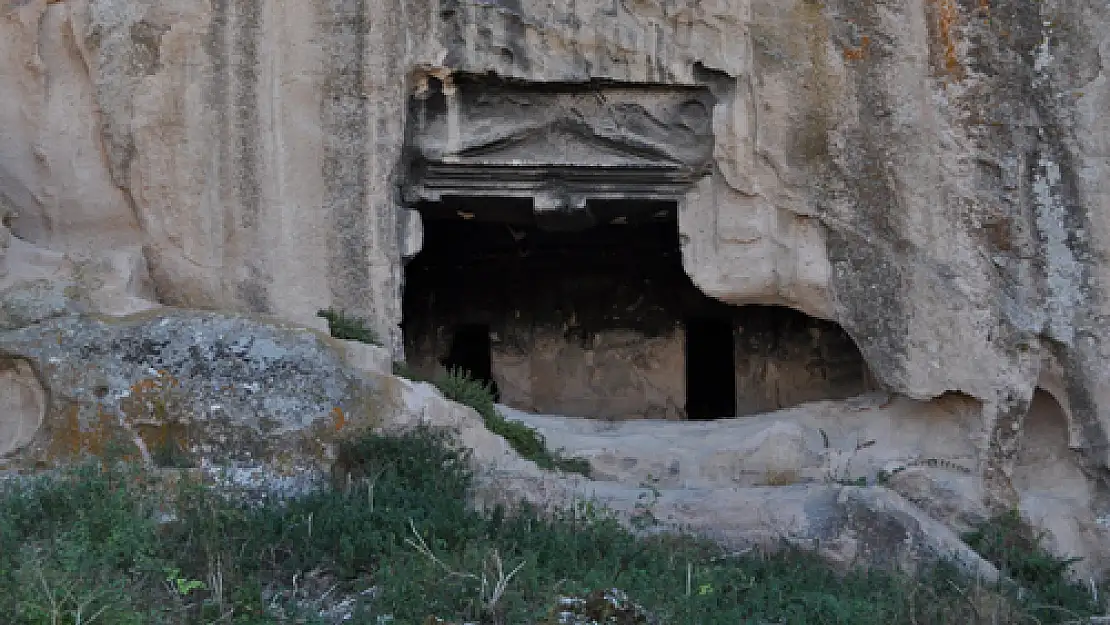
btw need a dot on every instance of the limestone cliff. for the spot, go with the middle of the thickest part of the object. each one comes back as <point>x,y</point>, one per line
<point>932,175</point>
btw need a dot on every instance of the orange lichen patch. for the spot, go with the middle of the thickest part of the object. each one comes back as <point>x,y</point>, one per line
<point>944,26</point>
<point>162,381</point>
<point>317,441</point>
<point>67,440</point>
<point>70,438</point>
<point>155,410</point>
<point>947,17</point>
<point>857,54</point>
<point>154,399</point>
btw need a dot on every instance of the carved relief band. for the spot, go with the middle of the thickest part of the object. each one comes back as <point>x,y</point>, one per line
<point>561,145</point>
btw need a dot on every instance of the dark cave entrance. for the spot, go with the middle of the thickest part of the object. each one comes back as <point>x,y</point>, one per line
<point>471,353</point>
<point>710,369</point>
<point>785,357</point>
<point>567,317</point>
<point>593,315</point>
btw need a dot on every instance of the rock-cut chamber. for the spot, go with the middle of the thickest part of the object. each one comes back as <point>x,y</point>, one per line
<point>551,265</point>
<point>604,322</point>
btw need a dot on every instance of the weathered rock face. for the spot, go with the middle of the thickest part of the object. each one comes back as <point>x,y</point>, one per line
<point>184,388</point>
<point>234,140</point>
<point>851,525</point>
<point>933,176</point>
<point>5,241</point>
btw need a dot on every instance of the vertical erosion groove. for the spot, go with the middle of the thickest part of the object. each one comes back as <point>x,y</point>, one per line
<point>232,46</point>
<point>252,288</point>
<point>345,117</point>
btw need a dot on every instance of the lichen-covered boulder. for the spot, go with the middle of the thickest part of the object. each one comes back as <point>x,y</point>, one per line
<point>179,388</point>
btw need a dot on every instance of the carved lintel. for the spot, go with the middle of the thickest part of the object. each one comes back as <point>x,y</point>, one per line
<point>586,141</point>
<point>661,183</point>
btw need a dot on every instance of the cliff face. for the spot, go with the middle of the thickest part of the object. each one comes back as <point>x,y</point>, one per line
<point>932,175</point>
<point>247,146</point>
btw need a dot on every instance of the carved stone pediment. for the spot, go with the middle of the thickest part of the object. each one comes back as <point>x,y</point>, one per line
<point>560,144</point>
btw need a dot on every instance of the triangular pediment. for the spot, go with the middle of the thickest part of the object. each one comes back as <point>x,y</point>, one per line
<point>556,146</point>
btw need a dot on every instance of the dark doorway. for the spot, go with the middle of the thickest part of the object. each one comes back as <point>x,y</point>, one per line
<point>471,352</point>
<point>710,369</point>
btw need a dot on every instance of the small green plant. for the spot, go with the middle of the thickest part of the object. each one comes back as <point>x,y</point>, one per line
<point>182,585</point>
<point>341,326</point>
<point>843,475</point>
<point>458,386</point>
<point>643,516</point>
<point>884,477</point>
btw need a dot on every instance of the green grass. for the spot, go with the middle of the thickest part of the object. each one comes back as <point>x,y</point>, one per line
<point>1020,554</point>
<point>341,326</point>
<point>90,539</point>
<point>458,386</point>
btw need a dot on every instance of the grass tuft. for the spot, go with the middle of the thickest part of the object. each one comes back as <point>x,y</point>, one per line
<point>341,326</point>
<point>1019,553</point>
<point>458,386</point>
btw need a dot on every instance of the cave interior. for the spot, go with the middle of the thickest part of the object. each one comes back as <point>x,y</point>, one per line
<point>602,320</point>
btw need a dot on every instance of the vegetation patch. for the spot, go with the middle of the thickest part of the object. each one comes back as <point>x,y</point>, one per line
<point>459,387</point>
<point>1019,553</point>
<point>394,541</point>
<point>341,326</point>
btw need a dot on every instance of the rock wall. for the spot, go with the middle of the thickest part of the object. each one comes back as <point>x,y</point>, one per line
<point>248,146</point>
<point>933,175</point>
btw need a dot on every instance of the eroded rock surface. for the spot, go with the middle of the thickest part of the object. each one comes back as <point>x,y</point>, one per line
<point>921,451</point>
<point>5,241</point>
<point>847,524</point>
<point>872,439</point>
<point>184,389</point>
